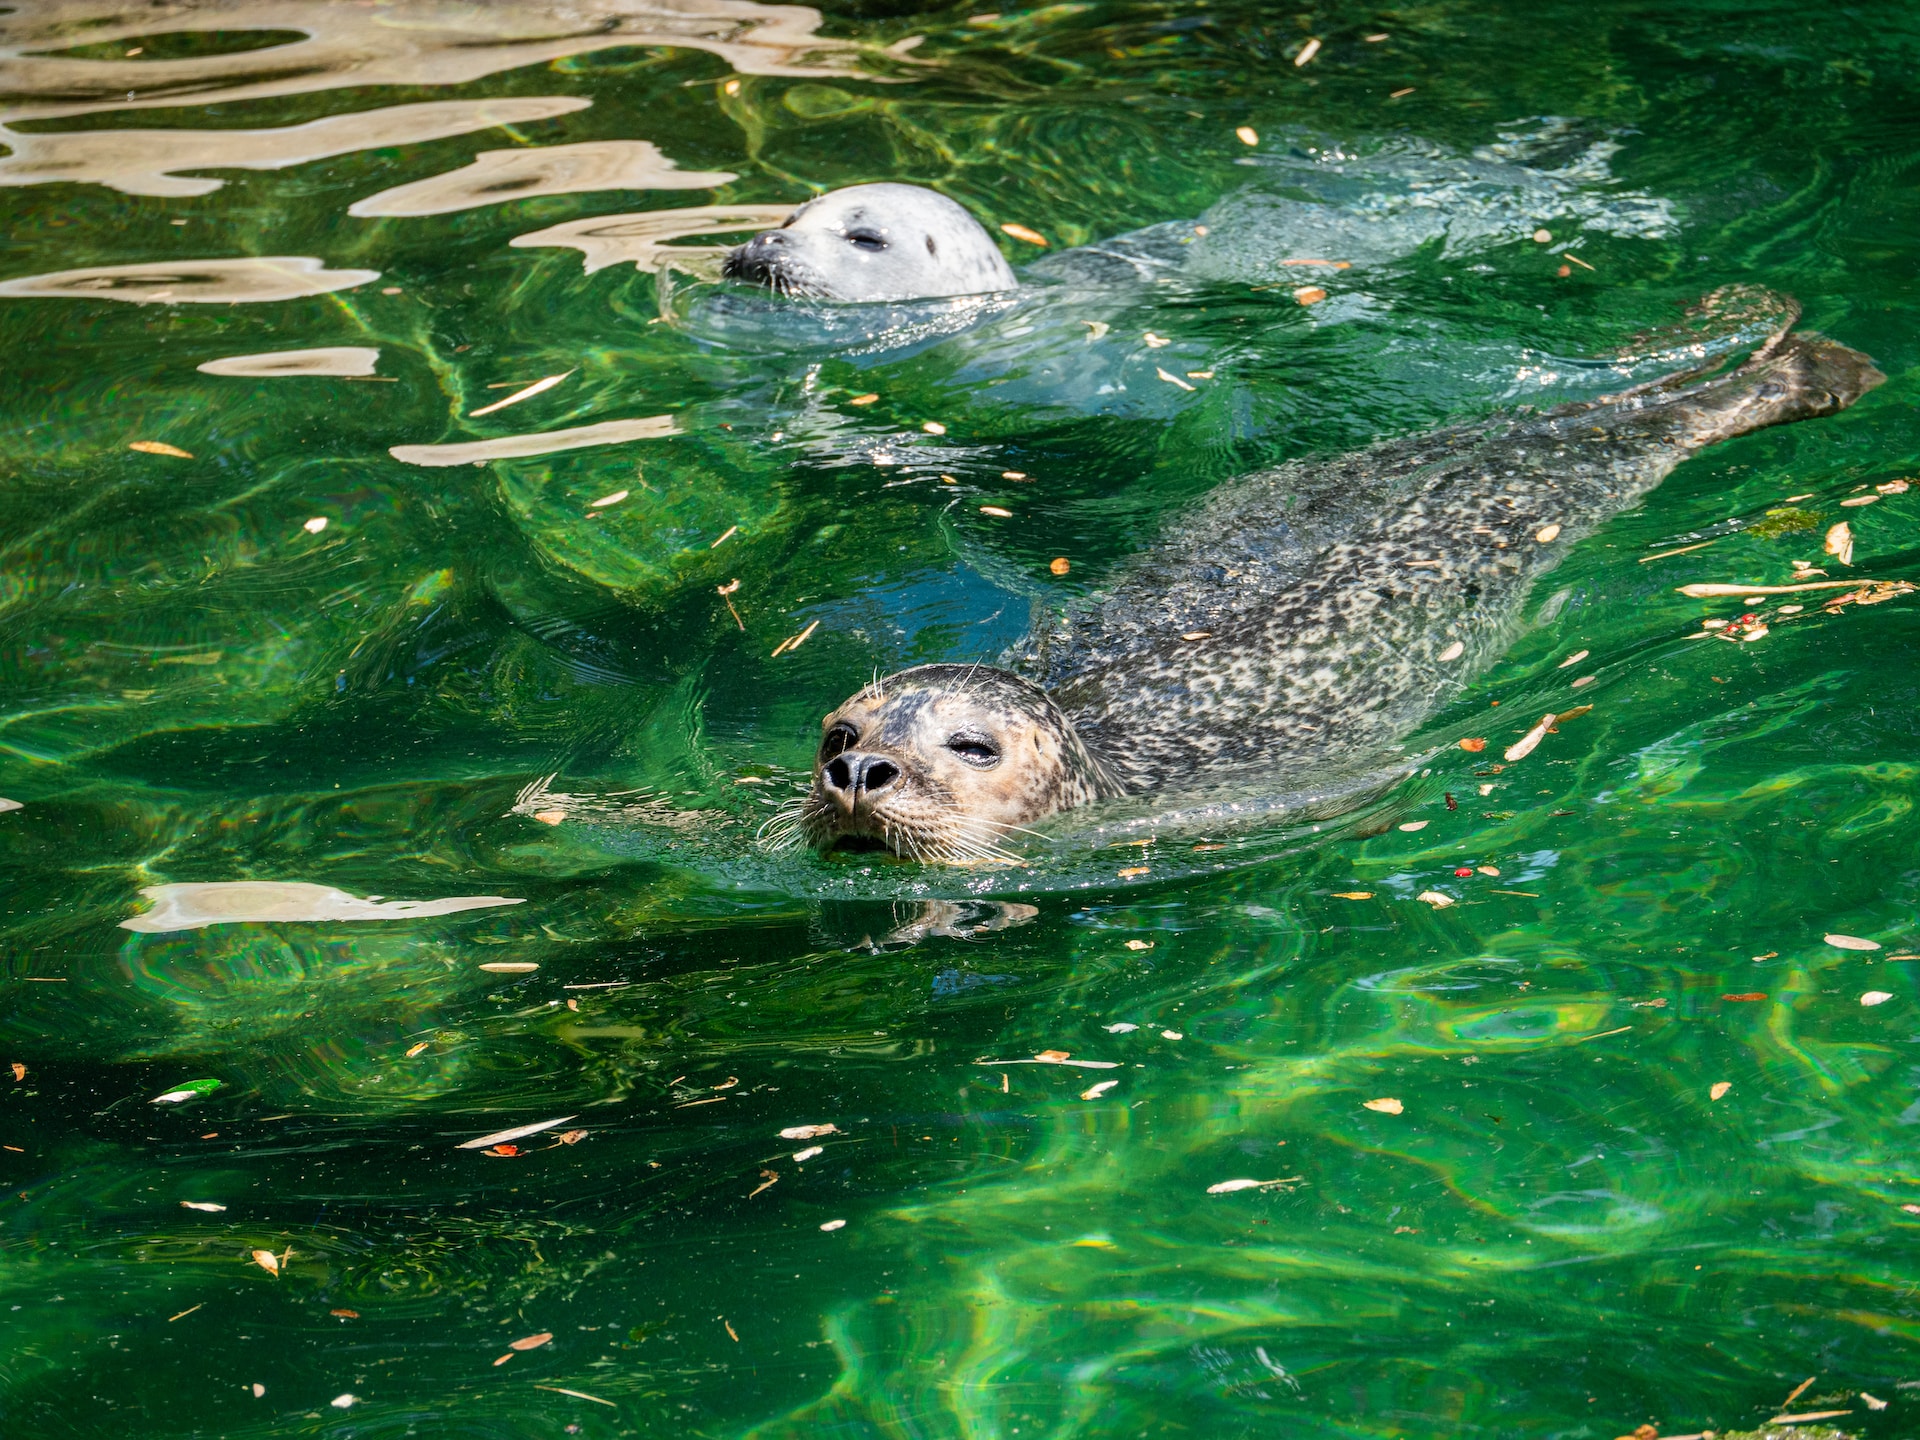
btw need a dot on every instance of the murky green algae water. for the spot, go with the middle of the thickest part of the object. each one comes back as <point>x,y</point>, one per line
<point>473,680</point>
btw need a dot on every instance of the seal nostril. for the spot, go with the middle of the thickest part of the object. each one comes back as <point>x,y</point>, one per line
<point>838,775</point>
<point>878,775</point>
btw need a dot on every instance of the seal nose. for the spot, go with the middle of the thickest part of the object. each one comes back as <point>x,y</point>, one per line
<point>851,778</point>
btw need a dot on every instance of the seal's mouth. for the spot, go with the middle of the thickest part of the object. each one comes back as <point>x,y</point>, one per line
<point>773,272</point>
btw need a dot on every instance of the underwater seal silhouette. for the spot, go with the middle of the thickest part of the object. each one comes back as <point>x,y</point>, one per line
<point>1301,616</point>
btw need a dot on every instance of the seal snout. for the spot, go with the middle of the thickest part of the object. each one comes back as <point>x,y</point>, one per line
<point>855,781</point>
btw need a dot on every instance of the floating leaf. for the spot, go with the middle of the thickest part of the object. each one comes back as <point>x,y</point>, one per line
<point>1094,1092</point>
<point>267,1261</point>
<point>1876,997</point>
<point>1412,825</point>
<point>1435,899</point>
<point>1247,135</point>
<point>1139,945</point>
<point>530,1342</point>
<point>1720,1087</point>
<point>1309,295</point>
<point>1851,942</point>
<point>192,1090</point>
<point>1473,745</point>
<point>1524,746</point>
<point>501,1136</point>
<point>1386,1105</point>
<point>808,1132</point>
<point>1229,1187</point>
<point>1840,543</point>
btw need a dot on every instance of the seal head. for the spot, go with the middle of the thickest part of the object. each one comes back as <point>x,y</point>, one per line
<point>874,242</point>
<point>944,761</point>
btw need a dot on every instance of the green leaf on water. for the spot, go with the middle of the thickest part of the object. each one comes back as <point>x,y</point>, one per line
<point>191,1090</point>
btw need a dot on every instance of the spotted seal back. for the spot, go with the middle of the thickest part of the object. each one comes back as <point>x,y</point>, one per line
<point>1312,613</point>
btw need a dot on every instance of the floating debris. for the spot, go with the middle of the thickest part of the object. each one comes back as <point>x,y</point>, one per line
<point>1231,1187</point>
<point>1174,380</point>
<point>999,512</point>
<point>1851,942</point>
<point>210,1206</point>
<point>1719,1088</point>
<point>933,427</point>
<point>1876,997</point>
<point>1094,1092</point>
<point>868,399</point>
<point>793,642</point>
<point>1021,232</point>
<point>1247,135</point>
<point>1307,52</point>
<point>1309,295</point>
<point>605,500</point>
<point>518,1132</point>
<point>1059,565</point>
<point>1857,500</point>
<point>801,1156</point>
<point>1386,1105</point>
<point>808,1132</point>
<point>267,1261</point>
<point>530,1342</point>
<point>1526,744</point>
<point>510,967</point>
<point>1840,543</point>
<point>256,902</point>
<point>159,447</point>
<point>191,1090</point>
<point>1473,744</point>
<point>1436,899</point>
<point>1121,1027</point>
<point>547,442</point>
<point>834,1225</point>
<point>1055,1057</point>
<point>1412,825</point>
<point>1353,894</point>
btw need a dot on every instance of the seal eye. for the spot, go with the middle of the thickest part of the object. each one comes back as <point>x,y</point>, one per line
<point>867,239</point>
<point>976,750</point>
<point>836,741</point>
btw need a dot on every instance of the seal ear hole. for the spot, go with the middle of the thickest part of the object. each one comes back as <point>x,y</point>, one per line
<point>836,740</point>
<point>976,750</point>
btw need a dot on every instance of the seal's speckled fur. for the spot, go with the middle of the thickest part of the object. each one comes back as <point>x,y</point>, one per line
<point>1339,603</point>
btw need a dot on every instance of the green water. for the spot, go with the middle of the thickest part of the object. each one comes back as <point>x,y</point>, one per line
<point>1560,1233</point>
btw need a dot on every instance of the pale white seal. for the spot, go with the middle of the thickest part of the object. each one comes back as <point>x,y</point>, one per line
<point>875,242</point>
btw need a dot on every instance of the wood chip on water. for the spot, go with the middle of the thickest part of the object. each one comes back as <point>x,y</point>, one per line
<point>530,1342</point>
<point>159,447</point>
<point>538,387</point>
<point>1386,1105</point>
<point>1851,942</point>
<point>516,1133</point>
<point>1524,746</point>
<point>1434,898</point>
<point>1248,135</point>
<point>1840,543</point>
<point>1309,295</point>
<point>1021,232</point>
<point>808,1132</point>
<point>1876,997</point>
<point>1307,52</point>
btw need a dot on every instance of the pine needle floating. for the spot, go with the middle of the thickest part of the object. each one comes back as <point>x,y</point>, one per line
<point>793,642</point>
<point>538,387</point>
<point>517,1132</point>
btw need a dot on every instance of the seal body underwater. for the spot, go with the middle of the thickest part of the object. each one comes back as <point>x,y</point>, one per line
<point>1300,616</point>
<point>874,242</point>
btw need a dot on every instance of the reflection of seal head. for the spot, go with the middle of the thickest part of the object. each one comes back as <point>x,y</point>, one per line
<point>943,761</point>
<point>874,242</point>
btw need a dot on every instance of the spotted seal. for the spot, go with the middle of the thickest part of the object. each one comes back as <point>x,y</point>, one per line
<point>1300,617</point>
<point>874,242</point>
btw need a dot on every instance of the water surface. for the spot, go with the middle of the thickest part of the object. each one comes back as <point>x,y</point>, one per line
<point>311,666</point>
